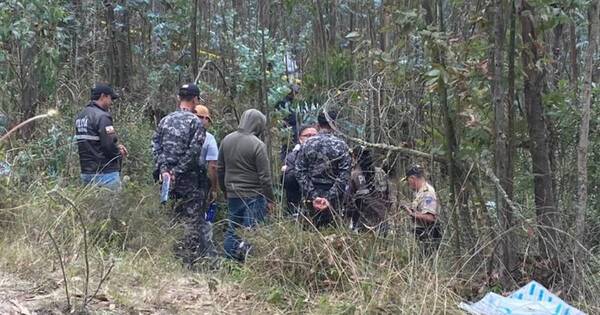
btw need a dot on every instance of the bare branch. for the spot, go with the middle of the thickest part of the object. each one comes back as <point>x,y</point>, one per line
<point>62,269</point>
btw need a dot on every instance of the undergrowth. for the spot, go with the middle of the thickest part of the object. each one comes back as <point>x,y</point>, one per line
<point>339,271</point>
<point>127,253</point>
<point>293,267</point>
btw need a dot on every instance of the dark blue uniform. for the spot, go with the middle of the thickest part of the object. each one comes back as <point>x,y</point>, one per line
<point>323,167</point>
<point>176,146</point>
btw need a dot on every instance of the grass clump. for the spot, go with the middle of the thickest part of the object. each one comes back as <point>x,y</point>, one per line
<point>338,271</point>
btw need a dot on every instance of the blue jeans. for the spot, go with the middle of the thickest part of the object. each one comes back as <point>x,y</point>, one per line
<point>243,212</point>
<point>111,181</point>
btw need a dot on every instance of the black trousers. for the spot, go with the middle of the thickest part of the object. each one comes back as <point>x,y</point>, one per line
<point>429,237</point>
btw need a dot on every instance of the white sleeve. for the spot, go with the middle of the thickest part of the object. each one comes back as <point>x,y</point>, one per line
<point>212,151</point>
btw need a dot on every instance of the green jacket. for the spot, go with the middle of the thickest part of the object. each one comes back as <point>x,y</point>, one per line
<point>243,167</point>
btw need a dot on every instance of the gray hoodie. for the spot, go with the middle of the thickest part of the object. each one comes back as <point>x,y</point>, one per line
<point>244,169</point>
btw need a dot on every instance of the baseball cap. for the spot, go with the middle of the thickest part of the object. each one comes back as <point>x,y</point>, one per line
<point>203,111</point>
<point>101,88</point>
<point>189,89</point>
<point>414,170</point>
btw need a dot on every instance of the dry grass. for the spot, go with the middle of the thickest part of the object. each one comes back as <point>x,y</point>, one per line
<point>293,269</point>
<point>127,234</point>
<point>340,271</point>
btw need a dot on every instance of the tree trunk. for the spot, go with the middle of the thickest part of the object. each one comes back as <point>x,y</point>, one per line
<point>29,83</point>
<point>264,90</point>
<point>194,39</point>
<point>77,26</point>
<point>124,46</point>
<point>111,63</point>
<point>501,144</point>
<point>546,212</point>
<point>556,54</point>
<point>584,129</point>
<point>119,48</point>
<point>333,23</point>
<point>457,197</point>
<point>323,38</point>
<point>511,99</point>
<point>427,6</point>
<point>573,53</point>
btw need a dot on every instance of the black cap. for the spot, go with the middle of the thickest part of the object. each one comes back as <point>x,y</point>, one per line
<point>322,119</point>
<point>101,88</point>
<point>414,170</point>
<point>189,89</point>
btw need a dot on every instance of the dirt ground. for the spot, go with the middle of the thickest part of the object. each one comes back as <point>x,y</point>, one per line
<point>188,295</point>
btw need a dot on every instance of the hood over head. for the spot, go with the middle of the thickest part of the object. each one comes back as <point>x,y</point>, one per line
<point>253,121</point>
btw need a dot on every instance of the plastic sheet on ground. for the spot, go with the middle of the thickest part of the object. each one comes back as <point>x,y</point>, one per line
<point>532,299</point>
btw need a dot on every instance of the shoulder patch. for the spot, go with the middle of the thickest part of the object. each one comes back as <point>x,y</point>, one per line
<point>109,129</point>
<point>429,200</point>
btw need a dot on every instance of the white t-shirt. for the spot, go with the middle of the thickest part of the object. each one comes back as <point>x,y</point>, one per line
<point>210,151</point>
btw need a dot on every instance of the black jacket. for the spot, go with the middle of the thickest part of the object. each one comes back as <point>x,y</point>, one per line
<point>290,184</point>
<point>97,141</point>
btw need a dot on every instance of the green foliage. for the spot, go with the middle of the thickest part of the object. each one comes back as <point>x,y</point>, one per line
<point>51,158</point>
<point>295,269</point>
<point>407,21</point>
<point>34,29</point>
<point>248,48</point>
<point>340,66</point>
<point>135,133</point>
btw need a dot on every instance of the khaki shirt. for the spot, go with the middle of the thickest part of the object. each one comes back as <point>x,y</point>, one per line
<point>426,201</point>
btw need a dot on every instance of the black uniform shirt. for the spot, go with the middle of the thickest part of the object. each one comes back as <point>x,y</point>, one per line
<point>97,141</point>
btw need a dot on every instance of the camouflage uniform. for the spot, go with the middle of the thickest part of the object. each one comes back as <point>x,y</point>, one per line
<point>323,170</point>
<point>176,145</point>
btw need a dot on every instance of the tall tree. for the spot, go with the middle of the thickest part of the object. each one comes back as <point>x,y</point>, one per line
<point>584,128</point>
<point>501,135</point>
<point>573,54</point>
<point>119,66</point>
<point>458,195</point>
<point>322,40</point>
<point>531,56</point>
<point>194,39</point>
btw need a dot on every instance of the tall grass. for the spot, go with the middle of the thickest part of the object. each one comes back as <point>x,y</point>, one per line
<point>337,270</point>
<point>293,268</point>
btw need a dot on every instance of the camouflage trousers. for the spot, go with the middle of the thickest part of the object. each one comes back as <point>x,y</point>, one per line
<point>190,206</point>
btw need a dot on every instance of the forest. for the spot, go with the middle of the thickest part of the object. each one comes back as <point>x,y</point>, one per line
<point>495,98</point>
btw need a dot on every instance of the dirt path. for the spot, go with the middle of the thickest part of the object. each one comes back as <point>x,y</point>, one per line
<point>186,295</point>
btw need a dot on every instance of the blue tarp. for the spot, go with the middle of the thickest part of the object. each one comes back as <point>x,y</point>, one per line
<point>532,299</point>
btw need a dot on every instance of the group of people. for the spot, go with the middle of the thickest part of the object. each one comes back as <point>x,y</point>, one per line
<point>325,183</point>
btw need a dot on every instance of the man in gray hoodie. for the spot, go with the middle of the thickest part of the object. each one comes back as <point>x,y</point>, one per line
<point>245,177</point>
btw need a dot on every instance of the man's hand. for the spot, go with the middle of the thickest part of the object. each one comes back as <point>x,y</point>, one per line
<point>167,174</point>
<point>406,207</point>
<point>270,206</point>
<point>123,150</point>
<point>321,204</point>
<point>284,168</point>
<point>408,210</point>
